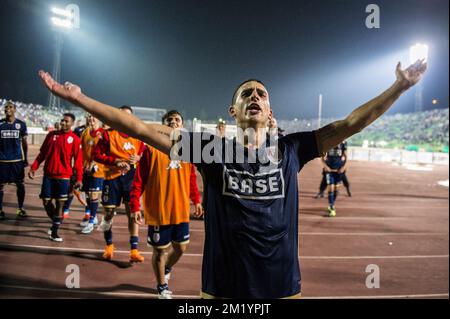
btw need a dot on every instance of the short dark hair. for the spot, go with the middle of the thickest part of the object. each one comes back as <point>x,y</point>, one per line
<point>70,115</point>
<point>126,107</point>
<point>10,103</point>
<point>171,113</point>
<point>239,86</point>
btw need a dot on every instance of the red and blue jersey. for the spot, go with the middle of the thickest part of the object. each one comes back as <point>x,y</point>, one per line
<point>62,154</point>
<point>11,135</point>
<point>251,218</point>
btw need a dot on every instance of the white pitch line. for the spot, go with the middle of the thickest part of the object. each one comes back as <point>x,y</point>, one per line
<point>131,294</point>
<point>200,255</point>
<point>102,293</point>
<point>309,233</point>
<point>326,234</point>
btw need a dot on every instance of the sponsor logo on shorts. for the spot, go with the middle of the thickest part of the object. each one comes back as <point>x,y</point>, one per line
<point>260,186</point>
<point>156,237</point>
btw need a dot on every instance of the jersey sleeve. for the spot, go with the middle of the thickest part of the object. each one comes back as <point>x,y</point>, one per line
<point>42,152</point>
<point>304,145</point>
<point>140,180</point>
<point>193,187</point>
<point>78,158</point>
<point>101,151</point>
<point>23,130</point>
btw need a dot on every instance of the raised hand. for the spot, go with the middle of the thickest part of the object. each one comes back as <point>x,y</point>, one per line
<point>409,77</point>
<point>68,91</point>
<point>198,210</point>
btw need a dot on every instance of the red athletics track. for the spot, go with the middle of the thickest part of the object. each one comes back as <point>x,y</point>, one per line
<point>390,204</point>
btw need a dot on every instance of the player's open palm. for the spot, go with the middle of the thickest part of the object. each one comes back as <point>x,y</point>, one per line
<point>410,76</point>
<point>68,91</point>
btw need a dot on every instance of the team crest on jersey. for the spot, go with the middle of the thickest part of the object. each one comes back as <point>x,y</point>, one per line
<point>17,126</point>
<point>174,164</point>
<point>128,146</point>
<point>70,140</point>
<point>260,186</point>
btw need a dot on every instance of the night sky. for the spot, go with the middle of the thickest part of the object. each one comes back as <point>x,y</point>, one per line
<point>191,54</point>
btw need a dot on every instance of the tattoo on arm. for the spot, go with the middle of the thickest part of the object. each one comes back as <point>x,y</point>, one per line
<point>164,133</point>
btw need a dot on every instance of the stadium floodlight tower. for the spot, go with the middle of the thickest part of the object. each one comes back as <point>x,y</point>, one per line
<point>63,21</point>
<point>416,52</point>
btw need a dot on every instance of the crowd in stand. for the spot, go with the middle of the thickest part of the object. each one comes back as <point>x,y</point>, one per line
<point>35,115</point>
<point>429,127</point>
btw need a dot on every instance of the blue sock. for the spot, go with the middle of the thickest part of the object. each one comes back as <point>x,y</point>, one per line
<point>67,203</point>
<point>20,194</point>
<point>331,198</point>
<point>134,242</point>
<point>108,237</point>
<point>93,206</point>
<point>162,287</point>
<point>87,208</point>
<point>167,270</point>
<point>55,225</point>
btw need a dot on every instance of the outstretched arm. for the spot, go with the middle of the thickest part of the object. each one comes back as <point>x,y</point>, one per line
<point>336,132</point>
<point>156,135</point>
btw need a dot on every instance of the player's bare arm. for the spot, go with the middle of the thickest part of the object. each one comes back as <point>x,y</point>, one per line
<point>336,132</point>
<point>25,150</point>
<point>156,135</point>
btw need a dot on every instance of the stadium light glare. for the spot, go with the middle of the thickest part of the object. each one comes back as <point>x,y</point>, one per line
<point>417,52</point>
<point>62,23</point>
<point>62,12</point>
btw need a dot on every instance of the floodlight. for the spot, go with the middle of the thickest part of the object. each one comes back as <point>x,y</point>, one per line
<point>417,52</point>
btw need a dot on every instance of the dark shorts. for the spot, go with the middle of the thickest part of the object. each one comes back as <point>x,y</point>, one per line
<point>117,190</point>
<point>92,184</point>
<point>53,188</point>
<point>12,172</point>
<point>161,236</point>
<point>334,178</point>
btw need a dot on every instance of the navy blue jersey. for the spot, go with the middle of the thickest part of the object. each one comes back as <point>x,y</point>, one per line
<point>251,221</point>
<point>79,130</point>
<point>11,135</point>
<point>334,158</point>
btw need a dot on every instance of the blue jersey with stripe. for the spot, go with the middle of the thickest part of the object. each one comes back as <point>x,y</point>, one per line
<point>11,135</point>
<point>251,219</point>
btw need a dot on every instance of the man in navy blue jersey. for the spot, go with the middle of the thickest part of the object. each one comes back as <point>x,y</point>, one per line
<point>250,184</point>
<point>334,165</point>
<point>13,156</point>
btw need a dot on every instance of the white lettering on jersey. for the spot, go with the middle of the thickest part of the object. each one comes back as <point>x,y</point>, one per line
<point>10,134</point>
<point>260,186</point>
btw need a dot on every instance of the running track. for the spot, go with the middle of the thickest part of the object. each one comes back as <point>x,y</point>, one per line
<point>397,219</point>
